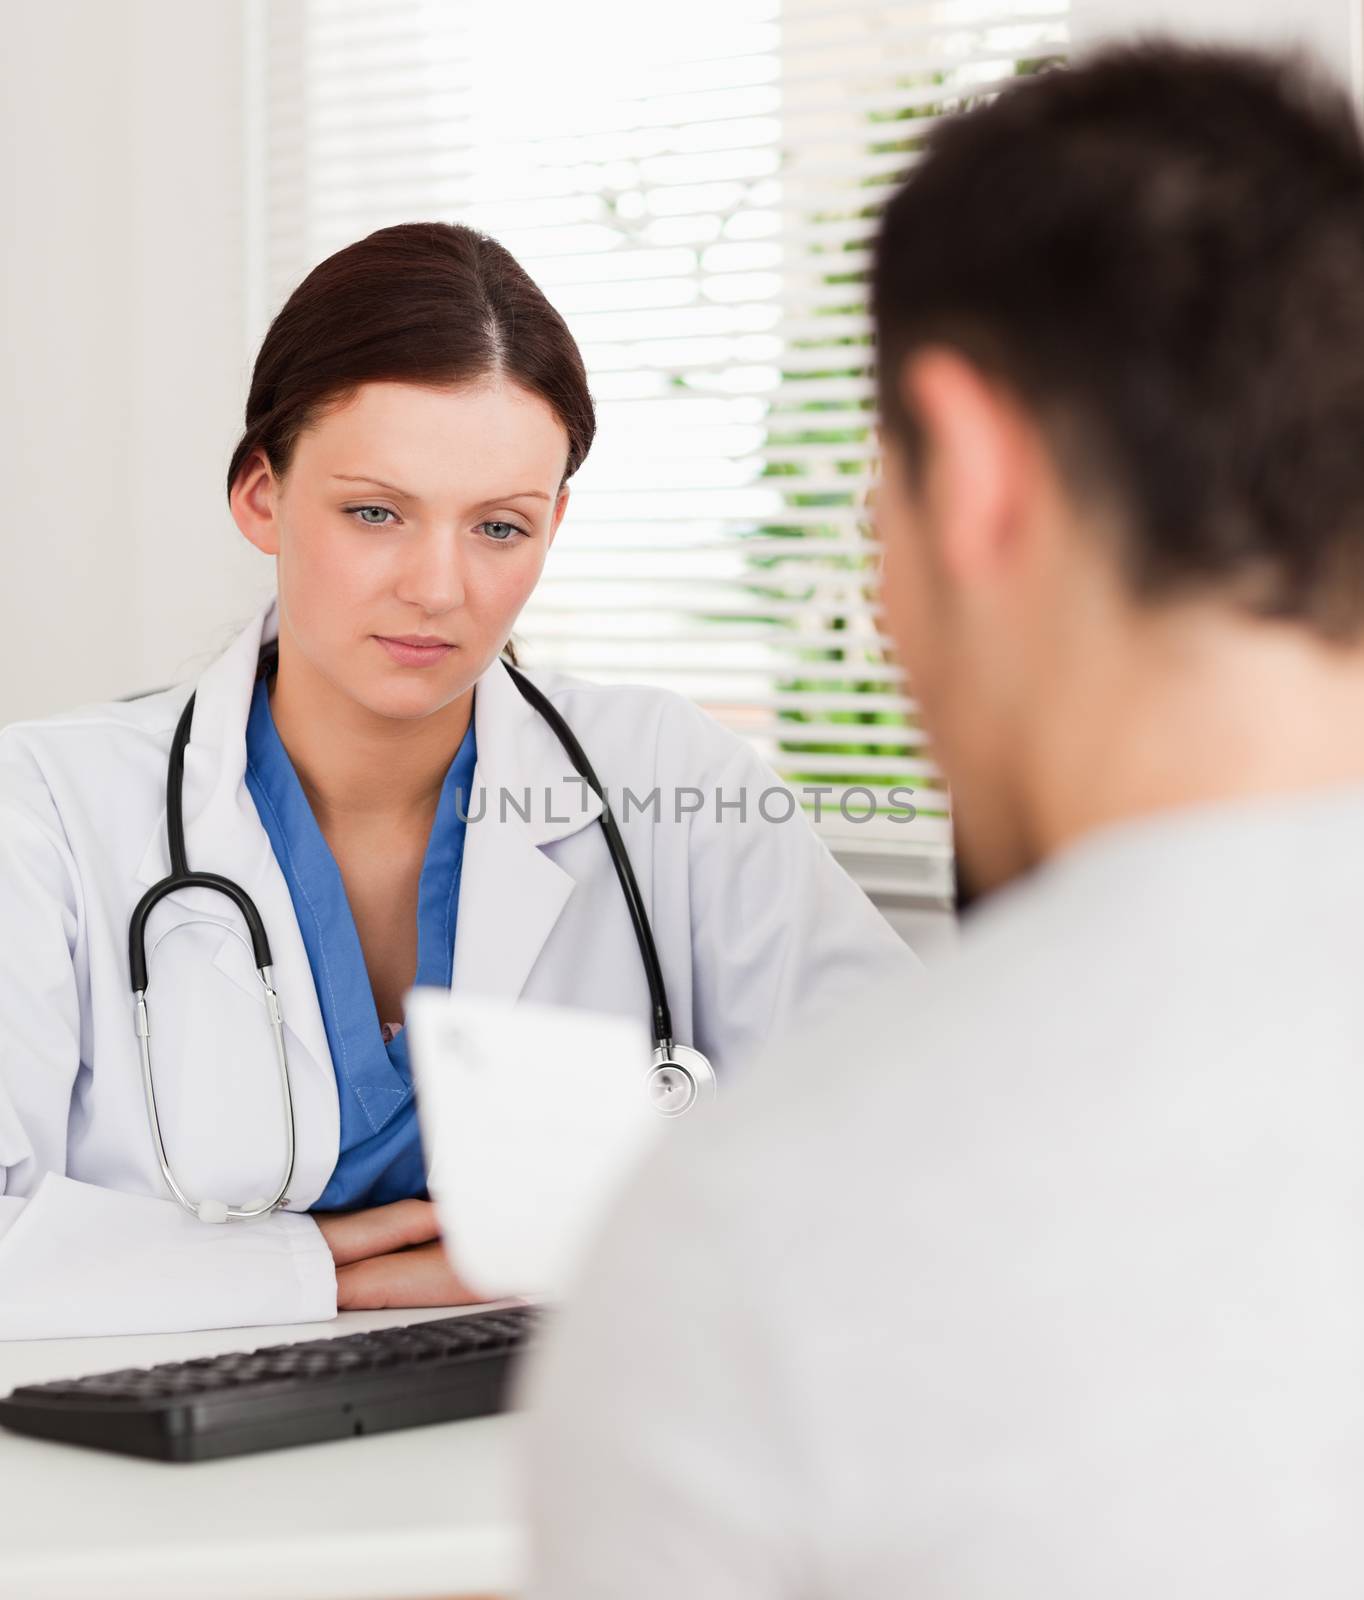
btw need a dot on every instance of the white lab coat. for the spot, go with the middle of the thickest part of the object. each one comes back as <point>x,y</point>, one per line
<point>755,922</point>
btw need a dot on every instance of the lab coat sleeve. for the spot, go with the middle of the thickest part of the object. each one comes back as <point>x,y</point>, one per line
<point>78,1258</point>
<point>781,935</point>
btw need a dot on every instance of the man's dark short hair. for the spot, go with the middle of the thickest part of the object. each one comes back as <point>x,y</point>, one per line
<point>1160,252</point>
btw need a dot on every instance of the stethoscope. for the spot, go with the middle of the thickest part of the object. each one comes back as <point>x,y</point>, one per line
<point>678,1077</point>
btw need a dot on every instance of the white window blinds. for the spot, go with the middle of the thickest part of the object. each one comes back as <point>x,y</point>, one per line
<point>694,187</point>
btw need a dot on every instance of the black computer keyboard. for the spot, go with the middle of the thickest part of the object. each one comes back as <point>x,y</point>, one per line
<point>285,1394</point>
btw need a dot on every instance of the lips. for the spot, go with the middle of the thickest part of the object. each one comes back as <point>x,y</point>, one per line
<point>415,649</point>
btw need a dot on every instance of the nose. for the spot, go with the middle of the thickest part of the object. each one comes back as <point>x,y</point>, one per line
<point>432,576</point>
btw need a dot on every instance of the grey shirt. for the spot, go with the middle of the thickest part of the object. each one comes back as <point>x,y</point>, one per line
<point>1049,1284</point>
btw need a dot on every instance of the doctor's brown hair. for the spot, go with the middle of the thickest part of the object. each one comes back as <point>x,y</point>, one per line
<point>432,303</point>
<point>1160,251</point>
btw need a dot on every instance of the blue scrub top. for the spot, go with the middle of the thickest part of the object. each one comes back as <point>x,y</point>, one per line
<point>381,1156</point>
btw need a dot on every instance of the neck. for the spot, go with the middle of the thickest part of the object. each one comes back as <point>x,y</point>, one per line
<point>355,765</point>
<point>1189,708</point>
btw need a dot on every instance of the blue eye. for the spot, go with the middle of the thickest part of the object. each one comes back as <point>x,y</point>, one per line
<point>503,538</point>
<point>357,512</point>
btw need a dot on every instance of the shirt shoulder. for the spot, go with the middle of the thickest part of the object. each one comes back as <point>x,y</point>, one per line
<point>937,1080</point>
<point>1081,1196</point>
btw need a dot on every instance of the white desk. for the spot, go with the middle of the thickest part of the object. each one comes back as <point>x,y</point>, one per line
<point>420,1512</point>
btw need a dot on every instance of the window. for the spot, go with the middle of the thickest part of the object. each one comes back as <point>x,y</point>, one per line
<point>694,187</point>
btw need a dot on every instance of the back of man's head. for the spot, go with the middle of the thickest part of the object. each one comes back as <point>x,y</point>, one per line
<point>1164,250</point>
<point>1158,252</point>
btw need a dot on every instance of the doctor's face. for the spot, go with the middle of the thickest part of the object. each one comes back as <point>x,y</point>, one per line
<point>409,531</point>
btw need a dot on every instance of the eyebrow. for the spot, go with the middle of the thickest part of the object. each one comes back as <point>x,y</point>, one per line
<point>520,494</point>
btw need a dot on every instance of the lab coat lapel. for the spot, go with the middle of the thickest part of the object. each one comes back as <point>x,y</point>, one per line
<point>223,834</point>
<point>525,795</point>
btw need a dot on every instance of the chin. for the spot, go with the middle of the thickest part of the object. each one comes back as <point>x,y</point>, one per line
<point>416,694</point>
<point>408,702</point>
<point>989,848</point>
<point>983,866</point>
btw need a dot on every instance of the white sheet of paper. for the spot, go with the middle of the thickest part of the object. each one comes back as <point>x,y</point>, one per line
<point>531,1116</point>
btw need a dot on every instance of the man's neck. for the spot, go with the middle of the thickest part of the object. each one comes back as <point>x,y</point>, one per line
<point>1217,710</point>
<point>356,766</point>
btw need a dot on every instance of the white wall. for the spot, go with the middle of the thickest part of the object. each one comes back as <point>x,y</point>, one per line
<point>122,314</point>
<point>1332,29</point>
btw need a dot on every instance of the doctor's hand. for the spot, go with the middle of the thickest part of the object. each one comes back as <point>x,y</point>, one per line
<point>391,1256</point>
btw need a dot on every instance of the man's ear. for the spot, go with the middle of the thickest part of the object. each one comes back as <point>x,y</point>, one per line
<point>254,501</point>
<point>976,460</point>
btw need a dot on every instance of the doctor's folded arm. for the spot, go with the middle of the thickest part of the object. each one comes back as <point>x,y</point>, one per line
<point>206,1107</point>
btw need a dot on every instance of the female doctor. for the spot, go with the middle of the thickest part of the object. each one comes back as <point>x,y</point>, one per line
<point>415,413</point>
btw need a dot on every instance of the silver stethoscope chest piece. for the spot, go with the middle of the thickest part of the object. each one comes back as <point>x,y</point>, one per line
<point>679,1078</point>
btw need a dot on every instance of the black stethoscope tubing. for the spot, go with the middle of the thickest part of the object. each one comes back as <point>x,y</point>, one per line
<point>620,858</point>
<point>179,876</point>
